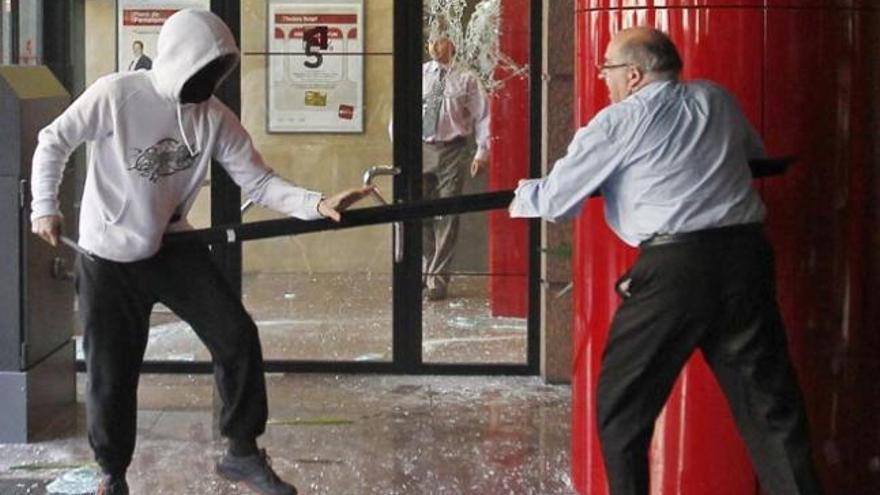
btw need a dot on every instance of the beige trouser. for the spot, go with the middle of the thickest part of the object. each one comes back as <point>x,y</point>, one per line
<point>443,176</point>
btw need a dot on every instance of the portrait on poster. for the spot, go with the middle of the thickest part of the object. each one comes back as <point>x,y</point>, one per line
<point>139,22</point>
<point>315,74</point>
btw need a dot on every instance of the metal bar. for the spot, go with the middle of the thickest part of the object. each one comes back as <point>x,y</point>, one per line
<point>481,274</point>
<point>376,171</point>
<point>536,87</point>
<point>76,247</point>
<point>767,167</point>
<point>407,133</point>
<point>394,213</point>
<point>15,31</point>
<point>325,54</point>
<point>350,219</point>
<point>369,174</point>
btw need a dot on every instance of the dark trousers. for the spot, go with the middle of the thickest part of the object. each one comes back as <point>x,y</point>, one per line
<point>444,169</point>
<point>716,294</point>
<point>115,301</point>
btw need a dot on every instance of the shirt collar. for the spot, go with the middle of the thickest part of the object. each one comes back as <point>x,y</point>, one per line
<point>652,88</point>
<point>436,66</point>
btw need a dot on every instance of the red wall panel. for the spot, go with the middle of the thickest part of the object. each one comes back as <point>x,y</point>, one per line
<point>509,162</point>
<point>696,429</point>
<point>620,5</point>
<point>699,4</point>
<point>819,222</point>
<point>806,75</point>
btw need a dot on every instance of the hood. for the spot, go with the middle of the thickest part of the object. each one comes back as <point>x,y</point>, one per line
<point>189,40</point>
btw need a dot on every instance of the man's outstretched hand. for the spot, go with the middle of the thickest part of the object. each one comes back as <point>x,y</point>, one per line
<point>48,228</point>
<point>333,206</point>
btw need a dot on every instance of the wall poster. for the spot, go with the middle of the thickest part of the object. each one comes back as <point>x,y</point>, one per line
<point>315,74</point>
<point>138,25</point>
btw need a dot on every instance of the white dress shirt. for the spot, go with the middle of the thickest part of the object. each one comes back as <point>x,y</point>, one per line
<point>465,108</point>
<point>670,158</point>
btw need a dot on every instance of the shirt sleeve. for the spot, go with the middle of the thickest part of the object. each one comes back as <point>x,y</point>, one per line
<point>478,105</point>
<point>89,117</point>
<point>236,153</point>
<point>591,158</point>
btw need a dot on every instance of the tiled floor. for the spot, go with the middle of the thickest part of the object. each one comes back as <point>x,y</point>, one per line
<point>339,435</point>
<point>347,317</point>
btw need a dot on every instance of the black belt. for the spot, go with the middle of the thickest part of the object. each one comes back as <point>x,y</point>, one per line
<point>703,235</point>
<point>457,140</point>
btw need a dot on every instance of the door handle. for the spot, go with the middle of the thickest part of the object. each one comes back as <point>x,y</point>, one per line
<point>397,227</point>
<point>376,171</point>
<point>58,269</point>
<point>246,206</point>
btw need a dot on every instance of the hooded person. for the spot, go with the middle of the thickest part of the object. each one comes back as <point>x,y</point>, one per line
<point>153,135</point>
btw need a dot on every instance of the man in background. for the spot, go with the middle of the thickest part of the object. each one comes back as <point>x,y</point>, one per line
<point>454,108</point>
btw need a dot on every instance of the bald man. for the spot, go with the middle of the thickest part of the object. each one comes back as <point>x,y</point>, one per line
<point>671,160</point>
<point>455,107</point>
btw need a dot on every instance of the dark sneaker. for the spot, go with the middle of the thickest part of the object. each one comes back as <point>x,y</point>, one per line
<point>110,485</point>
<point>255,471</point>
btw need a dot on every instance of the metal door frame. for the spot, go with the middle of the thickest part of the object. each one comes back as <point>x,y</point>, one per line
<point>407,305</point>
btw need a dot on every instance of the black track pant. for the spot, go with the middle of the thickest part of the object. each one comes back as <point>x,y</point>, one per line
<point>715,293</point>
<point>115,301</point>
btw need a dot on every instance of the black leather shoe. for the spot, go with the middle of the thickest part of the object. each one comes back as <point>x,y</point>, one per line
<point>111,485</point>
<point>255,471</point>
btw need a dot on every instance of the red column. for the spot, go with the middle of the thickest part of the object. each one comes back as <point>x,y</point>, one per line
<point>508,238</point>
<point>696,449</point>
<point>823,221</point>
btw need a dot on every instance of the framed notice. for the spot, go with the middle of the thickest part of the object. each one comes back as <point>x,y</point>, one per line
<point>315,76</point>
<point>137,31</point>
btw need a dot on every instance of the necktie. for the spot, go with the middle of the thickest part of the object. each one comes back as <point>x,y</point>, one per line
<point>432,105</point>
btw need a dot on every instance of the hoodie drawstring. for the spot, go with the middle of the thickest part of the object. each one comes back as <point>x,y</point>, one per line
<point>183,132</point>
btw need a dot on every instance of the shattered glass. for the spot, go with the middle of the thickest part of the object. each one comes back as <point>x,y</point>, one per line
<point>80,481</point>
<point>336,434</point>
<point>476,38</point>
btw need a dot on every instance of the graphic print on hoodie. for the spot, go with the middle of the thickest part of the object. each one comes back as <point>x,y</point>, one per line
<point>149,153</point>
<point>167,157</point>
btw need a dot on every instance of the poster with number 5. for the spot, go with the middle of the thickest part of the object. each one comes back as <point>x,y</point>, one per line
<point>315,75</point>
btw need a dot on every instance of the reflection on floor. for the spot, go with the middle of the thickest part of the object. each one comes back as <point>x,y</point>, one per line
<point>347,317</point>
<point>336,435</point>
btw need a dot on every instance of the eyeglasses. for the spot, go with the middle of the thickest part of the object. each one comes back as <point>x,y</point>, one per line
<point>602,69</point>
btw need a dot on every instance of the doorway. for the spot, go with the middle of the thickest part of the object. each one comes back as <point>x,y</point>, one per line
<point>329,91</point>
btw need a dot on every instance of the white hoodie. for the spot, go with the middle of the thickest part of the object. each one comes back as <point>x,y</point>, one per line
<point>150,153</point>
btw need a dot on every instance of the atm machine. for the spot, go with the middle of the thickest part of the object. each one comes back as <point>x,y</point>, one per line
<point>37,350</point>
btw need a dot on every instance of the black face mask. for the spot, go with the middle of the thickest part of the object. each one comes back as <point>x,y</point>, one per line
<point>200,86</point>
